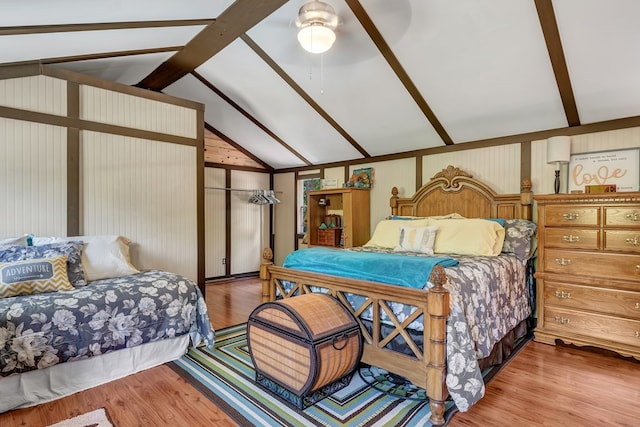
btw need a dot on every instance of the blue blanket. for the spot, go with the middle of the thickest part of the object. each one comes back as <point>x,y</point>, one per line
<point>395,269</point>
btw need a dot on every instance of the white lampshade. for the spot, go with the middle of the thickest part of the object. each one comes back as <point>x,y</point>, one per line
<point>316,38</point>
<point>559,149</point>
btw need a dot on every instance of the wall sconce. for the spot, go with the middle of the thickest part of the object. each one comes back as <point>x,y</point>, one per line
<point>558,151</point>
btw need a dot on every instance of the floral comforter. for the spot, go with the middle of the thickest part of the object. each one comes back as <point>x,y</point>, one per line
<point>38,331</point>
<point>489,296</point>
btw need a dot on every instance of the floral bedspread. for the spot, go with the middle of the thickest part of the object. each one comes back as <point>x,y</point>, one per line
<point>38,331</point>
<point>489,296</point>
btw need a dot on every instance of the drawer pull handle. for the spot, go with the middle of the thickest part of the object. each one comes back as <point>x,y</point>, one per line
<point>563,261</point>
<point>572,215</point>
<point>637,306</point>
<point>633,241</point>
<point>635,216</point>
<point>637,334</point>
<point>638,268</point>
<point>571,238</point>
<point>563,294</point>
<point>561,320</point>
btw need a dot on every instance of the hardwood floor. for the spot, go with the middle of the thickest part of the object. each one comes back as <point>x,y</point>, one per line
<point>543,386</point>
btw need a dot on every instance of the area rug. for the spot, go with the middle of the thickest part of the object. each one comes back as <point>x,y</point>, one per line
<point>226,376</point>
<point>97,418</point>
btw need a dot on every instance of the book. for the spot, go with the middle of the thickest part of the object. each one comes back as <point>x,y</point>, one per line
<point>606,188</point>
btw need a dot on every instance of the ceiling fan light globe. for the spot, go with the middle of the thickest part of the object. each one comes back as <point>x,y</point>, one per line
<point>316,38</point>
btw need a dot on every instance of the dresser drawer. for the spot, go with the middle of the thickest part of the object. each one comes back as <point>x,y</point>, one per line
<point>572,238</point>
<point>622,216</point>
<point>572,215</point>
<point>609,301</point>
<point>599,326</point>
<point>622,240</point>
<point>619,266</point>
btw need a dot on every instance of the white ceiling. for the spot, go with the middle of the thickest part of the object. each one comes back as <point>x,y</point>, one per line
<point>442,71</point>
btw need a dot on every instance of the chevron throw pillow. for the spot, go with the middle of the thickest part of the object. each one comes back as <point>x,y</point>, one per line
<point>34,276</point>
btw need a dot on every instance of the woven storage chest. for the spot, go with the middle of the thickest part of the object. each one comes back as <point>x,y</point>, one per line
<point>304,348</point>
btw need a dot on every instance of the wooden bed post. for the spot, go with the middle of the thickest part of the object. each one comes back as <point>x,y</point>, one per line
<point>265,276</point>
<point>438,307</point>
<point>393,202</point>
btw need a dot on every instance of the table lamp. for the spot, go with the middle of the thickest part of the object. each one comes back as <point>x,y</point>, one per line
<point>558,151</point>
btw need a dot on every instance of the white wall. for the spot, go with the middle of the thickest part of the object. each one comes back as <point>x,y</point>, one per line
<point>146,191</point>
<point>33,178</point>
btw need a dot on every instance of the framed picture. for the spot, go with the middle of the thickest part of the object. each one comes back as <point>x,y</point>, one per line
<point>614,167</point>
<point>361,178</point>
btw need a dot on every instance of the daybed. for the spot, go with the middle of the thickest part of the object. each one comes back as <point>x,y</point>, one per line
<point>90,317</point>
<point>441,334</point>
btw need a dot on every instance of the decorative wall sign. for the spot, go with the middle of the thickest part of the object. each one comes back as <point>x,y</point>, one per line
<point>619,167</point>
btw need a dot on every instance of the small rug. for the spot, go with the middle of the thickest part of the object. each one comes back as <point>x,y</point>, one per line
<point>97,418</point>
<point>226,376</point>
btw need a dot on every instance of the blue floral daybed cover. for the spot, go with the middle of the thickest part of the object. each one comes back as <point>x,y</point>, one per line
<point>42,330</point>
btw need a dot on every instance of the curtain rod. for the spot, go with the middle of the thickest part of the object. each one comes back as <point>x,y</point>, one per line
<point>237,189</point>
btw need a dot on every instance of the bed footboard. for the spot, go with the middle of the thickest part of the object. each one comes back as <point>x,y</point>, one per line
<point>426,367</point>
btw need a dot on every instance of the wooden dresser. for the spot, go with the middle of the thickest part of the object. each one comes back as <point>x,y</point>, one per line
<point>589,270</point>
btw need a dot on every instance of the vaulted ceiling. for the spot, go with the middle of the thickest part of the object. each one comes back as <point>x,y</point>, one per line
<point>402,76</point>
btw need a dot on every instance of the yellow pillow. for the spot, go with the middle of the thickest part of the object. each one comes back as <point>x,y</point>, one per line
<point>387,232</point>
<point>470,236</point>
<point>34,276</point>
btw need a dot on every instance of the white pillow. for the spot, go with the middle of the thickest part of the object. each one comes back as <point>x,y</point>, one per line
<point>417,239</point>
<point>14,241</point>
<point>103,257</point>
<point>387,232</point>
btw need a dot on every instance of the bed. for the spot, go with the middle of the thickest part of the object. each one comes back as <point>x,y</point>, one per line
<point>90,317</point>
<point>418,332</point>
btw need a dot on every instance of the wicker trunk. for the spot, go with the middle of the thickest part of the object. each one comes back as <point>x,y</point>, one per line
<point>304,348</point>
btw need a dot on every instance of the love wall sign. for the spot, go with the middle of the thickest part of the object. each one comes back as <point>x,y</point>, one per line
<point>619,167</point>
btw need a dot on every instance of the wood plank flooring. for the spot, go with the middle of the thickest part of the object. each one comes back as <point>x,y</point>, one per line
<point>543,386</point>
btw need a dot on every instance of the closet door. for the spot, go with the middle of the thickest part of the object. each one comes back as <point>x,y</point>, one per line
<point>215,227</point>
<point>249,222</point>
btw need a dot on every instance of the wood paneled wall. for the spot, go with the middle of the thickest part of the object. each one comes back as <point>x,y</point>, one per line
<point>86,156</point>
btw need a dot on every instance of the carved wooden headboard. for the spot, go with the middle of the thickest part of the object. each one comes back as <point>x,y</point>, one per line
<point>455,191</point>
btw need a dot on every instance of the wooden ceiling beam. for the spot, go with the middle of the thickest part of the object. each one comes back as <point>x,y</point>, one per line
<point>398,69</point>
<point>549,25</point>
<point>252,119</point>
<point>304,95</point>
<point>102,26</point>
<point>231,24</point>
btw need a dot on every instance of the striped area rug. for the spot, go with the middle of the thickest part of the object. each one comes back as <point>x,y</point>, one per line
<point>225,375</point>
